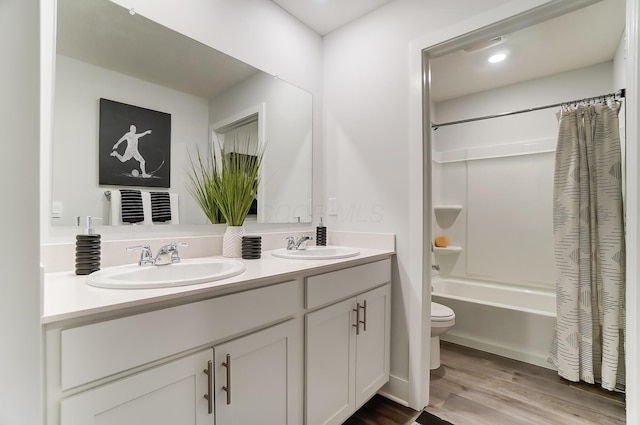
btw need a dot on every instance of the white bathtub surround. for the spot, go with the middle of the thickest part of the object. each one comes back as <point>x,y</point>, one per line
<point>589,246</point>
<point>501,172</point>
<point>528,147</point>
<point>511,321</point>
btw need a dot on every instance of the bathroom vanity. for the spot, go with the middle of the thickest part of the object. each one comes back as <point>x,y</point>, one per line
<point>287,342</point>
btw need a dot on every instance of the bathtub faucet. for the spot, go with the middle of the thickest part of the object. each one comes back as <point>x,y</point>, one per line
<point>435,267</point>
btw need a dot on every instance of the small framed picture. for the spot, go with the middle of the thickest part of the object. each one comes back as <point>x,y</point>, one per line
<point>134,146</point>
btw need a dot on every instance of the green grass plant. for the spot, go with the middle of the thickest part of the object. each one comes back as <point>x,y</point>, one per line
<point>224,182</point>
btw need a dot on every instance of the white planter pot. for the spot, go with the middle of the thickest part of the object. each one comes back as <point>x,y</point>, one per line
<point>232,242</point>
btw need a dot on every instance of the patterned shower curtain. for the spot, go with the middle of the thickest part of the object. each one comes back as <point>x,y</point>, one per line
<point>589,251</point>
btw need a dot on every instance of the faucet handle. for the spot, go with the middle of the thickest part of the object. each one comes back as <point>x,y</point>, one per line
<point>301,243</point>
<point>168,254</point>
<point>146,256</point>
<point>291,242</point>
<point>175,256</point>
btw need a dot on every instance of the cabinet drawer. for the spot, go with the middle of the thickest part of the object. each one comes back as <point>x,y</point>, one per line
<point>102,349</point>
<point>325,288</point>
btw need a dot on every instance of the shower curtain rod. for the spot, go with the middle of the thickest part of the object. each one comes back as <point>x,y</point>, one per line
<point>619,94</point>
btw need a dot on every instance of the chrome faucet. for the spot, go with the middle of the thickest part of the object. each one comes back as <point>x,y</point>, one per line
<point>168,254</point>
<point>300,243</point>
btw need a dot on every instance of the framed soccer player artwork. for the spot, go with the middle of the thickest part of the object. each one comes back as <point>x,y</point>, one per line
<point>134,146</point>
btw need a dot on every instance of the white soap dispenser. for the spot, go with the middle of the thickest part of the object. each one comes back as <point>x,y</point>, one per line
<point>87,248</point>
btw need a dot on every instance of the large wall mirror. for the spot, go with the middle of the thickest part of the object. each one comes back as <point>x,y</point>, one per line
<point>105,51</point>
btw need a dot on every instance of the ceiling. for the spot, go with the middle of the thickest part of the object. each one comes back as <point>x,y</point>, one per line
<point>104,34</point>
<point>324,16</point>
<point>534,52</point>
<point>581,38</point>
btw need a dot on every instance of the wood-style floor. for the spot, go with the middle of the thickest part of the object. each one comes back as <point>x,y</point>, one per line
<point>477,388</point>
<point>382,411</point>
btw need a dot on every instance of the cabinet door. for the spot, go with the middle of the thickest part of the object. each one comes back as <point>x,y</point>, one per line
<point>373,343</point>
<point>252,379</point>
<point>165,395</point>
<point>330,371</point>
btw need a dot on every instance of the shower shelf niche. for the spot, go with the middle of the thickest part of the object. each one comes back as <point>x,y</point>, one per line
<point>448,209</point>
<point>446,214</point>
<point>447,250</point>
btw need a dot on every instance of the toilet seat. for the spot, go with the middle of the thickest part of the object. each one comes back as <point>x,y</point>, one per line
<point>441,313</point>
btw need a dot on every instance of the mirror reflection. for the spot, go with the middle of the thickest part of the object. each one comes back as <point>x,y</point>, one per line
<point>105,52</point>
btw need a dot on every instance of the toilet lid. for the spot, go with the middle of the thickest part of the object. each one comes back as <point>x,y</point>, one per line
<point>439,311</point>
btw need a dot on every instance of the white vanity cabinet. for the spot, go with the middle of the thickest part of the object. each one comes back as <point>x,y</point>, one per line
<point>157,367</point>
<point>309,350</point>
<point>347,342</point>
<point>249,381</point>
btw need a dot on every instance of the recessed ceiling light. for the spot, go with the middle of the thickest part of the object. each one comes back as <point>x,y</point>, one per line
<point>498,57</point>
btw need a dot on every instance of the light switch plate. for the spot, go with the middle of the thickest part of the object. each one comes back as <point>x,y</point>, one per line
<point>332,206</point>
<point>56,209</point>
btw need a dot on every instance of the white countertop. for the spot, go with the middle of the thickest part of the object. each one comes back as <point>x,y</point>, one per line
<point>68,296</point>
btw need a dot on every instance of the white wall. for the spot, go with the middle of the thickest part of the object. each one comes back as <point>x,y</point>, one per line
<point>620,63</point>
<point>78,88</point>
<point>20,355</point>
<point>369,167</point>
<point>506,225</point>
<point>632,206</point>
<point>589,81</point>
<point>286,171</point>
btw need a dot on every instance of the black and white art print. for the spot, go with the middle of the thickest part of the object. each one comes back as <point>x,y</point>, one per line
<point>134,146</point>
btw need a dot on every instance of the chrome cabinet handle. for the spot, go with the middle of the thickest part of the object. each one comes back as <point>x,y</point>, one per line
<point>208,396</point>
<point>357,325</point>
<point>364,315</point>
<point>227,388</point>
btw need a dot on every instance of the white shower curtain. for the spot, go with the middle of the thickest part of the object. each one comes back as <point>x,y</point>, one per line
<point>589,251</point>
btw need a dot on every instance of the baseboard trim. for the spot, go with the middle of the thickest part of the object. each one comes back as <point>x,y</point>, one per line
<point>397,389</point>
<point>500,350</point>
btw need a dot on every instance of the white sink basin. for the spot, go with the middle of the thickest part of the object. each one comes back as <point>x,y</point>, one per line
<point>317,253</point>
<point>186,272</point>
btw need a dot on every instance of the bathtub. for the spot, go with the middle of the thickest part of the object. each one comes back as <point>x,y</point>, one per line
<point>514,322</point>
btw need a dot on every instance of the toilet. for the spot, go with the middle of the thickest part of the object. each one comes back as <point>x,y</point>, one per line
<point>442,319</point>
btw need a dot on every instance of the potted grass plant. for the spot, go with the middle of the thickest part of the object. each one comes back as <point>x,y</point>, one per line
<point>224,182</point>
